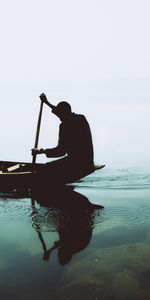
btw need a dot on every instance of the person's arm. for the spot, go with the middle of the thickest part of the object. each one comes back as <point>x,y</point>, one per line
<point>44,100</point>
<point>58,151</point>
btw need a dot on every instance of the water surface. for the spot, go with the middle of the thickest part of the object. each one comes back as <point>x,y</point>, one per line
<point>69,250</point>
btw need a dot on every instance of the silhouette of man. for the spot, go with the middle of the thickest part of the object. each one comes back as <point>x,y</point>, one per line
<point>73,219</point>
<point>74,144</point>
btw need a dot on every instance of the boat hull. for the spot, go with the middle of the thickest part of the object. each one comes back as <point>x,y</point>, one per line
<point>18,175</point>
<point>16,180</point>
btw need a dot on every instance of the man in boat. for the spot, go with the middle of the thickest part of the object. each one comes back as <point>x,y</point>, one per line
<point>75,145</point>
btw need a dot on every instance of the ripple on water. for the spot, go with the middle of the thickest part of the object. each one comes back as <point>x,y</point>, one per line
<point>15,209</point>
<point>133,217</point>
<point>46,219</point>
<point>129,178</point>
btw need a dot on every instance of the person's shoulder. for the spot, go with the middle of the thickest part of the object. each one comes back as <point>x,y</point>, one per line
<point>79,116</point>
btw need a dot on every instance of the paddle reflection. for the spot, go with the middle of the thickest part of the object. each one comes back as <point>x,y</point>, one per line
<point>71,215</point>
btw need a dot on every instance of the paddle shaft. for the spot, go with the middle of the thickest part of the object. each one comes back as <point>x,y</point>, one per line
<point>38,131</point>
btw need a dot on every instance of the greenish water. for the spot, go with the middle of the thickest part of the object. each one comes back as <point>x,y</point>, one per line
<point>49,252</point>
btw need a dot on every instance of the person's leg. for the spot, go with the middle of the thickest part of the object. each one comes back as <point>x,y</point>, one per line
<point>61,171</point>
<point>57,170</point>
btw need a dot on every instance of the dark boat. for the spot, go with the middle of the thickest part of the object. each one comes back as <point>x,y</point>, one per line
<point>15,175</point>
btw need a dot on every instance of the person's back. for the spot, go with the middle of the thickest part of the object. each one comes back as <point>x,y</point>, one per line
<point>75,136</point>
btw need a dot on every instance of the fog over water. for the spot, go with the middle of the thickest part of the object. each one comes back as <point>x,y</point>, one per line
<point>94,55</point>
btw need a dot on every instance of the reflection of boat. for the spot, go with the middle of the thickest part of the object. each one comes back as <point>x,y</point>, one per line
<point>17,175</point>
<point>72,216</point>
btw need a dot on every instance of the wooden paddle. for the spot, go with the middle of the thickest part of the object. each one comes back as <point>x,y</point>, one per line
<point>43,100</point>
<point>38,130</point>
<point>37,139</point>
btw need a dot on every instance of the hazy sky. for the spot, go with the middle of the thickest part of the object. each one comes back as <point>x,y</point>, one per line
<point>94,54</point>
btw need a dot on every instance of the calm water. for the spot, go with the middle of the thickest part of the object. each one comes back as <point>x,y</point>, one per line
<point>73,250</point>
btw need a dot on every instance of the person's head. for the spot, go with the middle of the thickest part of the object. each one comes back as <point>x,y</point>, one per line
<point>62,110</point>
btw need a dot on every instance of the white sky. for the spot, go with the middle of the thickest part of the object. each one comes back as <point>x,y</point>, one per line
<point>94,54</point>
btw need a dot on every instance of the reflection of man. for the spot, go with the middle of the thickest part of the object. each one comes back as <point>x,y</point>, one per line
<point>73,240</point>
<point>75,143</point>
<point>75,222</point>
